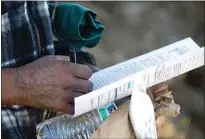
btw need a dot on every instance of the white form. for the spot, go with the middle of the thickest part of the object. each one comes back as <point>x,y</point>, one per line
<point>157,66</point>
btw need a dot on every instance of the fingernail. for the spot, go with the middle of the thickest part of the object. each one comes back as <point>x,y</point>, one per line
<point>91,88</point>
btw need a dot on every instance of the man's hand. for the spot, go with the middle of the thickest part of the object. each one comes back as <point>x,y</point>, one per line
<point>52,82</point>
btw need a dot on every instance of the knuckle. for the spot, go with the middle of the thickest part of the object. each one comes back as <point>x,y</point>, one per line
<point>68,84</point>
<point>58,65</point>
<point>73,81</point>
<point>62,63</point>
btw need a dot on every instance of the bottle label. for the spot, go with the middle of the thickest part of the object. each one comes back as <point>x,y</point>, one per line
<point>107,110</point>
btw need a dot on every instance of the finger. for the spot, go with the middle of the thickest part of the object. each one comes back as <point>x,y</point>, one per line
<point>71,96</point>
<point>78,70</point>
<point>81,71</point>
<point>93,68</point>
<point>68,108</point>
<point>80,85</point>
<point>76,94</point>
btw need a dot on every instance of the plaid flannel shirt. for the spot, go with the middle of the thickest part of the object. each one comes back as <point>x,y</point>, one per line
<point>26,35</point>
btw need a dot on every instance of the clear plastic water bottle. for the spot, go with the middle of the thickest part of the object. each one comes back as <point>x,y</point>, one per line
<point>80,127</point>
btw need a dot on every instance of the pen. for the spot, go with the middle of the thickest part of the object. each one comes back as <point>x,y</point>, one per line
<point>74,59</point>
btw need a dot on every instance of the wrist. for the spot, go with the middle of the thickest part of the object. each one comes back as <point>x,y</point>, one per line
<point>10,91</point>
<point>20,86</point>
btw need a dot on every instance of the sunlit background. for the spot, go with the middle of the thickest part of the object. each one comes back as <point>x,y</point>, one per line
<point>134,28</point>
